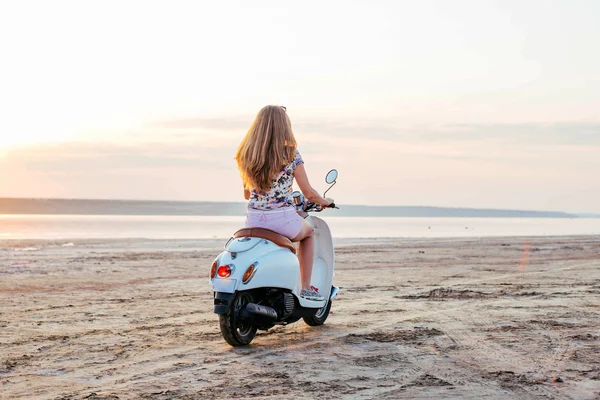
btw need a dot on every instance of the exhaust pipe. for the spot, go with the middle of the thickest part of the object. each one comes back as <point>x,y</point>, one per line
<point>260,311</point>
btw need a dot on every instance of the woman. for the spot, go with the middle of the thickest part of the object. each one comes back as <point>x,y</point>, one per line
<point>269,162</point>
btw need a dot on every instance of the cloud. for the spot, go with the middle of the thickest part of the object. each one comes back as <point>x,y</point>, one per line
<point>558,133</point>
<point>100,170</point>
<point>324,140</point>
<point>102,157</point>
<point>335,128</point>
<point>503,165</point>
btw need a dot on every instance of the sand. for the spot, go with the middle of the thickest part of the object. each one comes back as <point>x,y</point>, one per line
<point>488,318</point>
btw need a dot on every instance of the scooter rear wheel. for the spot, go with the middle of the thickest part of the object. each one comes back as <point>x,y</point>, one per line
<point>320,316</point>
<point>234,331</point>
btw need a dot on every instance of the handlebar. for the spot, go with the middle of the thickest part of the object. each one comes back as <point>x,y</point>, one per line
<point>310,206</point>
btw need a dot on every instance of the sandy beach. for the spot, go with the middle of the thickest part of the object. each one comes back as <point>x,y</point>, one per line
<point>494,318</point>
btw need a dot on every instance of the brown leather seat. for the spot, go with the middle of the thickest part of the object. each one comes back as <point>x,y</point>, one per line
<point>268,234</point>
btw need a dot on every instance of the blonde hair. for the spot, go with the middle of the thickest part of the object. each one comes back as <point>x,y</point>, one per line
<point>266,149</point>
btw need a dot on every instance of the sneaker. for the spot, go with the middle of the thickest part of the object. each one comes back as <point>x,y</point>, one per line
<point>311,294</point>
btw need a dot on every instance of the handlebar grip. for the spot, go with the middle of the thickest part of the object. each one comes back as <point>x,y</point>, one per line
<point>310,206</point>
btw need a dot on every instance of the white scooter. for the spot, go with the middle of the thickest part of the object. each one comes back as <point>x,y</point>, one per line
<point>256,280</point>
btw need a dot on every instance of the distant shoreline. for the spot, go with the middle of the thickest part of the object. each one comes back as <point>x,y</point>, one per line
<point>20,206</point>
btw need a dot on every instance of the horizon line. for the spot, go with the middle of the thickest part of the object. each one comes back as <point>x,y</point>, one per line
<point>242,202</point>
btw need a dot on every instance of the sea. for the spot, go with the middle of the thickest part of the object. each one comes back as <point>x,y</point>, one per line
<point>54,227</point>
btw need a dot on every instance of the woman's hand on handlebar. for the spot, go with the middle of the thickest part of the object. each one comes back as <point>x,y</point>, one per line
<point>310,206</point>
<point>330,203</point>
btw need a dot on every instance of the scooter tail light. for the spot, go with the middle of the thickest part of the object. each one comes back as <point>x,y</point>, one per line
<point>248,274</point>
<point>224,271</point>
<point>213,269</point>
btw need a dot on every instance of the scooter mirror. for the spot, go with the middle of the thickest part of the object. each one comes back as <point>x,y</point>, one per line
<point>331,176</point>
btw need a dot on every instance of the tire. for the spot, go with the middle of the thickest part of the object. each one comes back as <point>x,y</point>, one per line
<point>232,329</point>
<point>320,317</point>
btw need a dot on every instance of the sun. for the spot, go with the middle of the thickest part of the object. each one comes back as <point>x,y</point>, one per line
<point>10,142</point>
<point>31,133</point>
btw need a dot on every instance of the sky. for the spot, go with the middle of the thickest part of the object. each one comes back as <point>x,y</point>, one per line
<point>469,103</point>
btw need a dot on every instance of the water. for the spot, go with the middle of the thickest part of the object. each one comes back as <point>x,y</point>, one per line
<point>208,227</point>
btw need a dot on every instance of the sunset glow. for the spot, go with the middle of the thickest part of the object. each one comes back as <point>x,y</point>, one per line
<point>461,104</point>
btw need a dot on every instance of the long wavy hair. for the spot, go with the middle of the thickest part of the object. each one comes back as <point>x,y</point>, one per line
<point>266,149</point>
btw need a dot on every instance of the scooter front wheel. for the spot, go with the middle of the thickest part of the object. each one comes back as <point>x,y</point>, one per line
<point>320,316</point>
<point>235,331</point>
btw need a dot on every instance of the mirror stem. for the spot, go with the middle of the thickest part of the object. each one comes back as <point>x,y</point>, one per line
<point>334,182</point>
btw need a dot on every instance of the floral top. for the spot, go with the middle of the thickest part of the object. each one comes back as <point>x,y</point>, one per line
<point>281,189</point>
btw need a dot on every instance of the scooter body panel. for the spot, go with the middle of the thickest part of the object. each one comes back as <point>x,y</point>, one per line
<point>277,267</point>
<point>274,266</point>
<point>323,263</point>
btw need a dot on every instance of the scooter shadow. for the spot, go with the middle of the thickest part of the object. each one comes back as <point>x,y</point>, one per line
<point>288,338</point>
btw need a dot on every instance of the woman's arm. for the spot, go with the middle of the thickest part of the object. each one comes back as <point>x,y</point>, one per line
<point>308,191</point>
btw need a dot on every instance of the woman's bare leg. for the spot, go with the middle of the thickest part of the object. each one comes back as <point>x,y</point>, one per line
<point>306,253</point>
